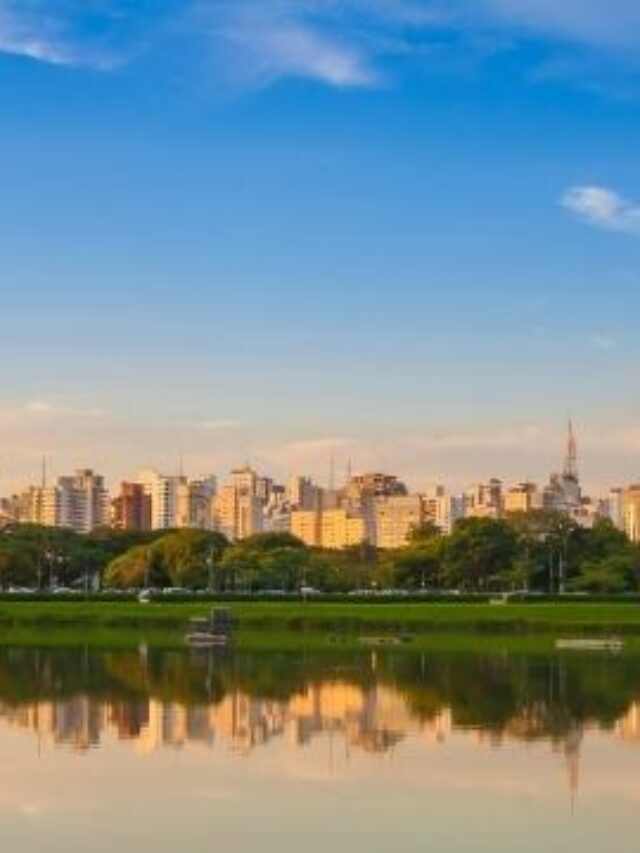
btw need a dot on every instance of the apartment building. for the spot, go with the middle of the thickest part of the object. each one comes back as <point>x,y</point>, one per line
<point>522,498</point>
<point>333,529</point>
<point>631,512</point>
<point>131,509</point>
<point>395,518</point>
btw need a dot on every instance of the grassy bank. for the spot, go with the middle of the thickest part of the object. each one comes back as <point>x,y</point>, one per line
<point>335,617</point>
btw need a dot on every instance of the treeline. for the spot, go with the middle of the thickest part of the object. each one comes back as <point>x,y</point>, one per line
<point>536,551</point>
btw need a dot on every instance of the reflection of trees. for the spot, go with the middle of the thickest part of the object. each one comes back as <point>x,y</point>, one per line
<point>527,696</point>
<point>521,696</point>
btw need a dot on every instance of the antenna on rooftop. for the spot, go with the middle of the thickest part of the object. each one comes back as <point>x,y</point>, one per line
<point>44,472</point>
<point>571,458</point>
<point>332,473</point>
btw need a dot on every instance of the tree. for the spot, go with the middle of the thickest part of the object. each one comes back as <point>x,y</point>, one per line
<point>613,574</point>
<point>419,565</point>
<point>265,561</point>
<point>478,553</point>
<point>178,558</point>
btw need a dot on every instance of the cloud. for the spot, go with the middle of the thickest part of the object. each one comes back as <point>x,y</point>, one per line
<point>603,342</point>
<point>39,407</point>
<point>343,44</point>
<point>348,43</point>
<point>499,438</point>
<point>615,24</point>
<point>221,424</point>
<point>45,409</point>
<point>263,42</point>
<point>603,208</point>
<point>76,33</point>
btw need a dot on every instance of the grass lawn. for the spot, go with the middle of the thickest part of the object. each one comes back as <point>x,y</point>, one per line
<point>342,617</point>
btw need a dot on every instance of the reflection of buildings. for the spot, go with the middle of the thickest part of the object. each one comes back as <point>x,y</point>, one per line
<point>78,722</point>
<point>628,728</point>
<point>373,718</point>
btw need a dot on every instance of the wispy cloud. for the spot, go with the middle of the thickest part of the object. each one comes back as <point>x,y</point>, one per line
<point>347,43</point>
<point>73,33</point>
<point>220,424</point>
<point>343,44</point>
<point>603,208</point>
<point>262,42</point>
<point>603,342</point>
<point>518,436</point>
<point>616,23</point>
<point>42,409</point>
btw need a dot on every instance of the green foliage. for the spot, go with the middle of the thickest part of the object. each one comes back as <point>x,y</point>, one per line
<point>41,557</point>
<point>179,558</point>
<point>265,561</point>
<point>537,551</point>
<point>478,553</point>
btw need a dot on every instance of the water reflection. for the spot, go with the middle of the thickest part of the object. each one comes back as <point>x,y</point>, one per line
<point>241,701</point>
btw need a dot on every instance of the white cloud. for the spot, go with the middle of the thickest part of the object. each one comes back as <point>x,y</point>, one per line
<point>67,34</point>
<point>220,424</point>
<point>616,22</point>
<point>33,47</point>
<point>339,43</point>
<point>603,342</point>
<point>46,409</point>
<point>497,438</point>
<point>265,42</point>
<point>39,407</point>
<point>603,208</point>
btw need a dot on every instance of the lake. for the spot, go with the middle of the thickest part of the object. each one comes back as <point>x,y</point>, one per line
<point>386,750</point>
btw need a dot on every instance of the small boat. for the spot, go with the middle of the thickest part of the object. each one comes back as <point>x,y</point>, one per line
<point>209,632</point>
<point>591,644</point>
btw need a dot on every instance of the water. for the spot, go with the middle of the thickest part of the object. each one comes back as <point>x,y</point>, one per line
<point>149,750</point>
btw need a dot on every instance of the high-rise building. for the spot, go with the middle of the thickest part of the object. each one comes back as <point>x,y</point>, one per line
<point>245,481</point>
<point>334,529</point>
<point>363,488</point>
<point>163,491</point>
<point>395,517</point>
<point>202,492</point>
<point>614,507</point>
<point>237,511</point>
<point>79,502</point>
<point>631,512</point>
<point>484,500</point>
<point>83,501</point>
<point>522,498</point>
<point>131,509</point>
<point>303,494</point>
<point>340,529</point>
<point>442,508</point>
<point>177,502</point>
<point>563,493</point>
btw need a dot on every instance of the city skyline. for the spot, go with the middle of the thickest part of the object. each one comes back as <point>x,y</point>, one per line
<point>363,506</point>
<point>402,232</point>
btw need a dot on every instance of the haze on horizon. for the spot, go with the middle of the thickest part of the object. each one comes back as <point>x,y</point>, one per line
<point>405,233</point>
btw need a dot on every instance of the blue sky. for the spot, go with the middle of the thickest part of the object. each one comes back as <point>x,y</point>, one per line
<point>402,232</point>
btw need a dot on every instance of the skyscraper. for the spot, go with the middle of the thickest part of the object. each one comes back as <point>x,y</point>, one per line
<point>563,492</point>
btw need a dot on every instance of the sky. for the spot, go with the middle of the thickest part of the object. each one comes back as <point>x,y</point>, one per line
<point>404,233</point>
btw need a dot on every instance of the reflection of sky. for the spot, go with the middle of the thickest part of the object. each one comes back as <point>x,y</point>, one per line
<point>452,792</point>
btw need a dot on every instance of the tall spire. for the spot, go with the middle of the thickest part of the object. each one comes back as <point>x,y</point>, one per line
<point>571,459</point>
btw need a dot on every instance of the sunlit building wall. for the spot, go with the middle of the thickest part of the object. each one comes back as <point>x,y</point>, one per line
<point>631,512</point>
